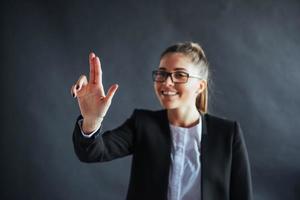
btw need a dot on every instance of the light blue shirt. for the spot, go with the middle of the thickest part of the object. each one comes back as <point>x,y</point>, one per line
<point>185,169</point>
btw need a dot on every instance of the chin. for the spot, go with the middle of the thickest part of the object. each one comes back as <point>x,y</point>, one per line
<point>169,105</point>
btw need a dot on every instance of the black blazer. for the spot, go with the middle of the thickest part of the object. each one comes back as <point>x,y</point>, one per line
<point>225,170</point>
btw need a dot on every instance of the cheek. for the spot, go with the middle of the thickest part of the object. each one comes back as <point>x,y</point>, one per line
<point>156,87</point>
<point>190,91</point>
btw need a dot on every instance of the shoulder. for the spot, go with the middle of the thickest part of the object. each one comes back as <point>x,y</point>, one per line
<point>211,118</point>
<point>144,116</point>
<point>221,124</point>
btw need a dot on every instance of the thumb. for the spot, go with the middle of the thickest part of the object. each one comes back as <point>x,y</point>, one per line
<point>111,91</point>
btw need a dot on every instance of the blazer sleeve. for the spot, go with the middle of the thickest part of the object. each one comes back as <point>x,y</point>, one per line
<point>105,146</point>
<point>240,183</point>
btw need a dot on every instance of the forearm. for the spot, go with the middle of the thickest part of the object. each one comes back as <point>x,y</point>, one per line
<point>88,148</point>
<point>104,146</point>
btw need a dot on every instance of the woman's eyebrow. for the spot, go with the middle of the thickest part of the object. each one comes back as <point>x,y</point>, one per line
<point>180,69</point>
<point>176,69</point>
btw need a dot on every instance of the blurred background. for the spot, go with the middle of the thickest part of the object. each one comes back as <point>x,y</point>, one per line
<point>253,50</point>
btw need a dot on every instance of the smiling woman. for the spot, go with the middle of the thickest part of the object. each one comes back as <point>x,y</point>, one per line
<point>179,152</point>
<point>179,93</point>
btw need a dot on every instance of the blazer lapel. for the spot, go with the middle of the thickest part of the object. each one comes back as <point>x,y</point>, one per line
<point>204,155</point>
<point>165,151</point>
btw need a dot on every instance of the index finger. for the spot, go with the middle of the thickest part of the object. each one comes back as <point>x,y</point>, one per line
<point>92,70</point>
<point>98,71</point>
<point>95,69</point>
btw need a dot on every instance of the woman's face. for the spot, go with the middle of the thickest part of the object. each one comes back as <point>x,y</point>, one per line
<point>178,95</point>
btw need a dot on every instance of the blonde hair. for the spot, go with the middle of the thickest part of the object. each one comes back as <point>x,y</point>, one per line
<point>195,52</point>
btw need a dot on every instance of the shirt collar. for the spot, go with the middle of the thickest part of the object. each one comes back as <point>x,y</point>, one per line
<point>197,129</point>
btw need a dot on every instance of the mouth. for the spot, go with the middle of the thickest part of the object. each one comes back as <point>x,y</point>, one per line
<point>169,93</point>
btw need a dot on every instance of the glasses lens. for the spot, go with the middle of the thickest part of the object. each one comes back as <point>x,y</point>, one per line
<point>180,77</point>
<point>158,76</point>
<point>177,77</point>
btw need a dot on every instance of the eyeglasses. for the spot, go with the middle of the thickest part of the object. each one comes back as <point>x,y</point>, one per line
<point>176,77</point>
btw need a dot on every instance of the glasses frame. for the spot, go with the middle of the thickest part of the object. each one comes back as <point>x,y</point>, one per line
<point>170,74</point>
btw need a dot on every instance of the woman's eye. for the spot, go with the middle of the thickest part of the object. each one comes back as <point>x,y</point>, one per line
<point>180,75</point>
<point>163,74</point>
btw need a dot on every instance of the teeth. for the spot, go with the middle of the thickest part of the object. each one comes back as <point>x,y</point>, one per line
<point>168,93</point>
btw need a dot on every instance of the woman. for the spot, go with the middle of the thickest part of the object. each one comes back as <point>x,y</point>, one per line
<point>180,152</point>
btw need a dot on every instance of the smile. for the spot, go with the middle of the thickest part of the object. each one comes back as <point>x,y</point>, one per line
<point>168,93</point>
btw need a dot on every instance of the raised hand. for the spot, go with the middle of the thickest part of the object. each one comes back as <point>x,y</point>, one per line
<point>91,97</point>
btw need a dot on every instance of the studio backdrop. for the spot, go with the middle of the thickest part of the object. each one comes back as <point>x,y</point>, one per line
<point>253,50</point>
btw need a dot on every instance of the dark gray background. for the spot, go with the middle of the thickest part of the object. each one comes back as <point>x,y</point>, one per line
<point>253,48</point>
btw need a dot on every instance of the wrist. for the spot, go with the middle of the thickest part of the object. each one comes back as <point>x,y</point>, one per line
<point>90,125</point>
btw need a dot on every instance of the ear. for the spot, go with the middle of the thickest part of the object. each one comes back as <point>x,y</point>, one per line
<point>202,86</point>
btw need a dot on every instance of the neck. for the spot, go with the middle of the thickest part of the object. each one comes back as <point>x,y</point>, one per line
<point>183,117</point>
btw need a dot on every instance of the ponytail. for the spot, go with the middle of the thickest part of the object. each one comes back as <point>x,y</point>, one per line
<point>201,101</point>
